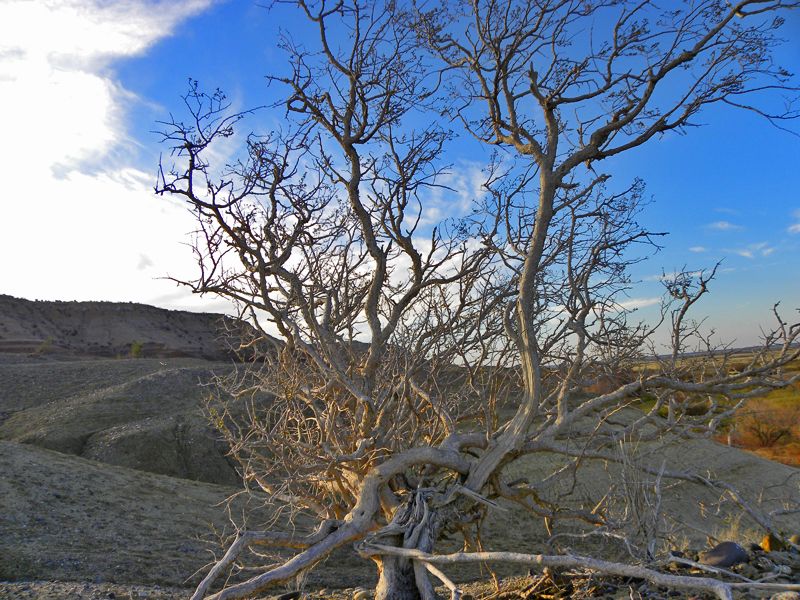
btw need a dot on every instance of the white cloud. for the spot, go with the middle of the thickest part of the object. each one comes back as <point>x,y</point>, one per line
<point>64,107</point>
<point>698,249</point>
<point>85,33</point>
<point>460,188</point>
<point>724,226</point>
<point>89,244</point>
<point>79,219</point>
<point>635,303</point>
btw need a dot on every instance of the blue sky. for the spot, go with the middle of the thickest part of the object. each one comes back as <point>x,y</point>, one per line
<point>83,83</point>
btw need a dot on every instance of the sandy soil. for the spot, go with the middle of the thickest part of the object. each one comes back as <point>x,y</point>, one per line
<point>111,495</point>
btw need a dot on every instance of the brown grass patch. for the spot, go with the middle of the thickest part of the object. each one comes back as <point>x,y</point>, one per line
<point>769,426</point>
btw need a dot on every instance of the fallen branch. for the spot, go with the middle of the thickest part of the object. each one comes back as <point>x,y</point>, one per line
<point>723,589</point>
<point>707,568</point>
<point>357,523</point>
<point>247,538</point>
<point>762,520</point>
<point>455,592</point>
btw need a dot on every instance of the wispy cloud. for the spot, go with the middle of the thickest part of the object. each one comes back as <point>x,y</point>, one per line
<point>54,73</point>
<point>635,303</point>
<point>698,249</point>
<point>671,275</point>
<point>762,249</point>
<point>458,190</point>
<point>726,210</point>
<point>724,226</point>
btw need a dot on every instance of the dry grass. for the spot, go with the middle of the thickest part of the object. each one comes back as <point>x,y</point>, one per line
<point>761,420</point>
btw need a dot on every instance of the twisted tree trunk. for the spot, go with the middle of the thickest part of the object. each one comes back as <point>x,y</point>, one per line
<point>396,579</point>
<point>414,526</point>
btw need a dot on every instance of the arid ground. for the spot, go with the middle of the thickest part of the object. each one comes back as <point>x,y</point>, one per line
<point>113,485</point>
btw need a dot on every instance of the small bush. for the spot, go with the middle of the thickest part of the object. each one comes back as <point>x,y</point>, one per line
<point>136,349</point>
<point>44,347</point>
<point>764,424</point>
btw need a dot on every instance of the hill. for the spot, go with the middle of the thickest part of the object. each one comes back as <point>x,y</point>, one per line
<point>65,518</point>
<point>140,413</point>
<point>110,329</point>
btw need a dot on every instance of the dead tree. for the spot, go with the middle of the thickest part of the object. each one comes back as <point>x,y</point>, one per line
<point>403,338</point>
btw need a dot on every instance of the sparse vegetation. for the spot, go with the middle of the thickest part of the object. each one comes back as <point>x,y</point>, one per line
<point>45,347</point>
<point>763,426</point>
<point>136,349</point>
<point>769,425</point>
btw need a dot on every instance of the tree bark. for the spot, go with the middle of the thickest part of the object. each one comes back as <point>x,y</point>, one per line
<point>396,579</point>
<point>418,526</point>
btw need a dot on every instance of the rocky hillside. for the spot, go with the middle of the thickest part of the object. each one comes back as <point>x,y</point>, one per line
<point>110,329</point>
<point>145,414</point>
<point>65,518</point>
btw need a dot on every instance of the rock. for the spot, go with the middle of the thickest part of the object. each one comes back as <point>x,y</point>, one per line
<point>290,595</point>
<point>785,596</point>
<point>724,555</point>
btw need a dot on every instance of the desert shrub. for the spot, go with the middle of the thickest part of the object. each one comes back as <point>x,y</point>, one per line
<point>764,424</point>
<point>786,453</point>
<point>44,347</point>
<point>607,381</point>
<point>136,349</point>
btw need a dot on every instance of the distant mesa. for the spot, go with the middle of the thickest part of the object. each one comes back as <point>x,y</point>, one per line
<point>112,329</point>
